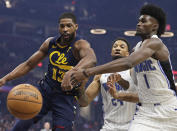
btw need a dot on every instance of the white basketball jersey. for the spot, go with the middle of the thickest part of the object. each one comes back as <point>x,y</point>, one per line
<point>116,111</point>
<point>154,80</point>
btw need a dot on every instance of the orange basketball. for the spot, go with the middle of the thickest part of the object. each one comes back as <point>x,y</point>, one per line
<point>24,101</point>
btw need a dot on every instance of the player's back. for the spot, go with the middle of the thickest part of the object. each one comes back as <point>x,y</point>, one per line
<point>155,80</point>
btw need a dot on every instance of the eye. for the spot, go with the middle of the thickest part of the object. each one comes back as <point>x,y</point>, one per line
<point>143,20</point>
<point>122,46</point>
<point>115,46</point>
<point>69,25</point>
<point>62,26</point>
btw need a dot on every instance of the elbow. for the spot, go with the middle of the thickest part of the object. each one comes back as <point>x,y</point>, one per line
<point>128,64</point>
<point>93,62</point>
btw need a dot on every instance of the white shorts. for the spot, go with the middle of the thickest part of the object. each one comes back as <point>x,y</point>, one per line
<point>156,117</point>
<point>115,127</point>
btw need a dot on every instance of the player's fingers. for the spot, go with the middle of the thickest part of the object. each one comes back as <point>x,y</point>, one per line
<point>73,82</point>
<point>67,88</point>
<point>118,76</point>
<point>65,85</point>
<point>72,78</point>
<point>110,85</point>
<point>109,78</point>
<point>108,82</point>
<point>111,91</point>
<point>77,85</point>
<point>115,78</point>
<point>72,74</point>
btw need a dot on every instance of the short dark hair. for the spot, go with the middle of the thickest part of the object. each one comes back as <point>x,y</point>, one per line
<point>68,15</point>
<point>157,13</point>
<point>122,39</point>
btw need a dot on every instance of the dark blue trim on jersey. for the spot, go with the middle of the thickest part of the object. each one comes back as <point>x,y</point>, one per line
<point>164,74</point>
<point>166,69</point>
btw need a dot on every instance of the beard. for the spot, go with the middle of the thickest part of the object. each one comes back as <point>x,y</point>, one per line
<point>71,37</point>
<point>116,57</point>
<point>138,33</point>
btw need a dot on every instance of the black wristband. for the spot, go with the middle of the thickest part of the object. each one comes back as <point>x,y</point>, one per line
<point>85,74</point>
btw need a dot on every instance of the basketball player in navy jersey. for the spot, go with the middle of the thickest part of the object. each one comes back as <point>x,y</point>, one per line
<point>152,67</point>
<point>66,53</point>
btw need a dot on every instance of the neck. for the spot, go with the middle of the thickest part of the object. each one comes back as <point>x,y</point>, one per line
<point>143,37</point>
<point>116,57</point>
<point>64,43</point>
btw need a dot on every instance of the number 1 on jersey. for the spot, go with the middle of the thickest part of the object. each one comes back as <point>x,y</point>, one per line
<point>145,78</point>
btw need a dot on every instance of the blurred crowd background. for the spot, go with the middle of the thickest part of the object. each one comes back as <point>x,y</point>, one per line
<point>25,24</point>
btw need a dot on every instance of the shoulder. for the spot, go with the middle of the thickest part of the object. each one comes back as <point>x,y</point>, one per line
<point>45,45</point>
<point>81,43</point>
<point>153,43</point>
<point>49,39</point>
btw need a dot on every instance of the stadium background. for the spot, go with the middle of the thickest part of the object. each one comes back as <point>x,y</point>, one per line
<point>25,24</point>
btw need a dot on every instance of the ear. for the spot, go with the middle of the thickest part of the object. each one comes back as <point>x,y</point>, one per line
<point>76,25</point>
<point>155,27</point>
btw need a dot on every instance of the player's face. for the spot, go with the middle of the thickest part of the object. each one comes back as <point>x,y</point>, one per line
<point>146,25</point>
<point>67,29</point>
<point>47,125</point>
<point>119,49</point>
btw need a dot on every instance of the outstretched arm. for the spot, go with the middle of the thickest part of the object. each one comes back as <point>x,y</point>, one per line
<point>28,65</point>
<point>86,55</point>
<point>86,97</point>
<point>149,47</point>
<point>87,58</point>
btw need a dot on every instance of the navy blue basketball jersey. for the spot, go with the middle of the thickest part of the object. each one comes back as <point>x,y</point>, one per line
<point>61,60</point>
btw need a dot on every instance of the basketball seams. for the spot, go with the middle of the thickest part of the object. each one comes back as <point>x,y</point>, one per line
<point>24,100</point>
<point>31,113</point>
<point>23,113</point>
<point>13,89</point>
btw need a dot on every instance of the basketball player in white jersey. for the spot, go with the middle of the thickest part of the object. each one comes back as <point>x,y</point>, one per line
<point>117,114</point>
<point>151,62</point>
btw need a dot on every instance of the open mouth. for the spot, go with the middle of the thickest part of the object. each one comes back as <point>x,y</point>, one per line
<point>65,36</point>
<point>117,53</point>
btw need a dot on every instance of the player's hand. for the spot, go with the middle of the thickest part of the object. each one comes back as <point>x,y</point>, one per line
<point>78,76</point>
<point>112,89</point>
<point>2,82</point>
<point>114,78</point>
<point>66,84</point>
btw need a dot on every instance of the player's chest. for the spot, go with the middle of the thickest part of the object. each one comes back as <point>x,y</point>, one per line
<point>61,56</point>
